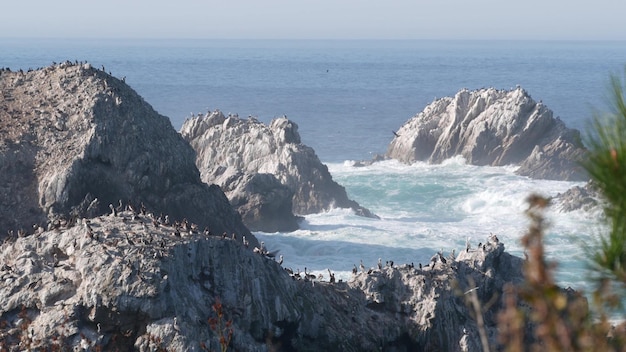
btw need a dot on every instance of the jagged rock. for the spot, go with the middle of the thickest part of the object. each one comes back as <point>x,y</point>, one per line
<point>263,202</point>
<point>71,134</point>
<point>575,198</point>
<point>229,148</point>
<point>492,127</point>
<point>112,283</point>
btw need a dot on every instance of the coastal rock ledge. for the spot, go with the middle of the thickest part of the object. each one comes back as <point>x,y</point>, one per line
<point>493,127</point>
<point>112,283</point>
<point>76,141</point>
<point>265,171</point>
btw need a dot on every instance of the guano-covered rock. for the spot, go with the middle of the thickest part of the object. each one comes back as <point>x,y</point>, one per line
<point>295,181</point>
<point>492,127</point>
<point>75,141</point>
<point>113,283</point>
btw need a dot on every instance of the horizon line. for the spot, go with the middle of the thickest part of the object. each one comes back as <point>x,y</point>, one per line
<point>111,38</point>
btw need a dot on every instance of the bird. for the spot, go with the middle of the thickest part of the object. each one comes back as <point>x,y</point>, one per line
<point>441,258</point>
<point>176,327</point>
<point>280,260</point>
<point>362,266</point>
<point>113,210</point>
<point>467,245</point>
<point>308,276</point>
<point>380,264</point>
<point>354,270</point>
<point>395,133</point>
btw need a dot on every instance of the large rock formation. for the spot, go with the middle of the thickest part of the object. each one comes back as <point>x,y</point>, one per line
<point>74,140</point>
<point>230,150</point>
<point>113,283</point>
<point>492,127</point>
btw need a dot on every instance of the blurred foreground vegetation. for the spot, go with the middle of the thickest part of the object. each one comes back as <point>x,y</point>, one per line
<point>562,320</point>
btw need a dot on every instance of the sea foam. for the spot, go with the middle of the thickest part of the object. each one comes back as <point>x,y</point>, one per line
<point>425,208</point>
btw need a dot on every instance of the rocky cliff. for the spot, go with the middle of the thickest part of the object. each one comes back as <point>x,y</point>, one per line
<point>492,127</point>
<point>233,152</point>
<point>75,141</point>
<point>128,281</point>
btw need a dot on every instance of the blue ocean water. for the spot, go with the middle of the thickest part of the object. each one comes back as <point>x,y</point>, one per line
<point>347,97</point>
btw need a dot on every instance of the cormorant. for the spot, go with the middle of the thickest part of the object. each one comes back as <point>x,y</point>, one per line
<point>113,210</point>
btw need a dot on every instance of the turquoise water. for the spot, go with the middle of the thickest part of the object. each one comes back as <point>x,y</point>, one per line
<point>347,97</point>
<point>425,208</point>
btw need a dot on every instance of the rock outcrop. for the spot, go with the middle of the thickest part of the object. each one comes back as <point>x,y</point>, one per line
<point>113,283</point>
<point>75,140</point>
<point>584,198</point>
<point>294,181</point>
<point>492,127</point>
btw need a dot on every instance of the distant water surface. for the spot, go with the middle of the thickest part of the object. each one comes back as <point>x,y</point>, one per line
<point>346,96</point>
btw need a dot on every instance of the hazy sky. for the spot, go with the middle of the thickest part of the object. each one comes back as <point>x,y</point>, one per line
<point>316,19</point>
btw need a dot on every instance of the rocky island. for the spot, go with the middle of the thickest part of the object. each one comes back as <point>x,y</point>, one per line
<point>493,127</point>
<point>123,282</point>
<point>266,171</point>
<point>75,141</point>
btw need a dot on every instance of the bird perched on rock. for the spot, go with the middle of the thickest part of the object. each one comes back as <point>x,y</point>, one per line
<point>331,276</point>
<point>113,210</point>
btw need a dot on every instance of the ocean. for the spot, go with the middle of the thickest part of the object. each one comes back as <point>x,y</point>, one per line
<point>347,97</point>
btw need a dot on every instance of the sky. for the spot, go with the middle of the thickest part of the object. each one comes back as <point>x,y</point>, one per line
<point>316,19</point>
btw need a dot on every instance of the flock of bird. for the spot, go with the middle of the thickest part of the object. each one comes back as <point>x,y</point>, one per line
<point>184,228</point>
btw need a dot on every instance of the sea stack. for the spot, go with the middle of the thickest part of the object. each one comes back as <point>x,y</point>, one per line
<point>493,127</point>
<point>266,171</point>
<point>74,138</point>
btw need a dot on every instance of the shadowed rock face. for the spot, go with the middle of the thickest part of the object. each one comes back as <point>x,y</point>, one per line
<point>492,127</point>
<point>112,283</point>
<point>229,149</point>
<point>70,134</point>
